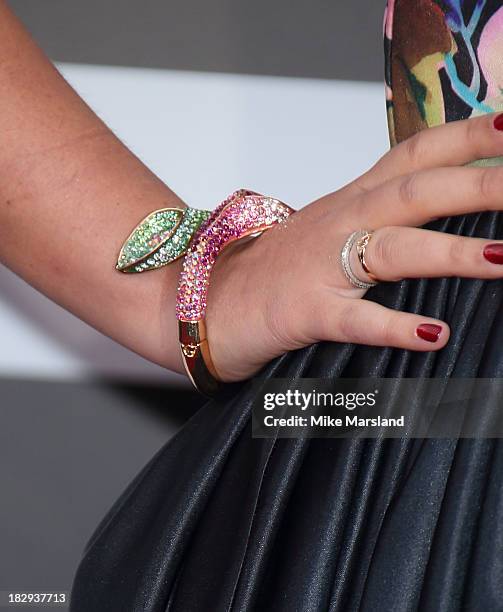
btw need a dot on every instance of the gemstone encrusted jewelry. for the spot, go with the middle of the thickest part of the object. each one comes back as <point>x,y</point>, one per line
<point>244,213</point>
<point>353,239</point>
<point>160,238</point>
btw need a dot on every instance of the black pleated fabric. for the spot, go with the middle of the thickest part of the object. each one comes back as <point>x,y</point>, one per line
<point>218,521</point>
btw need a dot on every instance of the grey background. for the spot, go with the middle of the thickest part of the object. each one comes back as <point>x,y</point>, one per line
<point>309,38</point>
<point>67,450</point>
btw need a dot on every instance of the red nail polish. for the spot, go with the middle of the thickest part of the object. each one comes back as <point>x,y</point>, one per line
<point>498,122</point>
<point>429,332</point>
<point>494,253</point>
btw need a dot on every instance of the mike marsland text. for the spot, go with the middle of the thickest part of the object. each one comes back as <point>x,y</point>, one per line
<point>350,420</point>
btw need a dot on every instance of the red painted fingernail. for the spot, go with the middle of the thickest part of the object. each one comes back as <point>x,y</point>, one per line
<point>429,332</point>
<point>498,122</point>
<point>494,253</point>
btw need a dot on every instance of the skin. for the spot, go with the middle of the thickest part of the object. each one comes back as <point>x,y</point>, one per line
<point>70,192</point>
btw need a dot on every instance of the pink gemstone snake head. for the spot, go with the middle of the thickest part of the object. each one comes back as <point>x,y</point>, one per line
<point>242,214</point>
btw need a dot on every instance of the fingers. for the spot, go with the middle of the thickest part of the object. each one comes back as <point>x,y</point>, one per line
<point>453,144</point>
<point>394,253</point>
<point>364,322</point>
<point>417,198</point>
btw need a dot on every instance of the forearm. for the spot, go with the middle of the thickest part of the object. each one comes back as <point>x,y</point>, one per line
<point>70,192</point>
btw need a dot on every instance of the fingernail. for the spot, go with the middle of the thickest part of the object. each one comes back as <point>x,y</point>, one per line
<point>498,122</point>
<point>429,332</point>
<point>494,253</point>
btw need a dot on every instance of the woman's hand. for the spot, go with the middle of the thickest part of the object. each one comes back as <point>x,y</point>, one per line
<point>286,289</point>
<point>70,191</point>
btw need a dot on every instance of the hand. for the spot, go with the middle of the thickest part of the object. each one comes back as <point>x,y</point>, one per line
<point>286,289</point>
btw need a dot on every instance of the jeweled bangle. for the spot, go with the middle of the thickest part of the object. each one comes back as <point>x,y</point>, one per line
<point>244,213</point>
<point>160,238</point>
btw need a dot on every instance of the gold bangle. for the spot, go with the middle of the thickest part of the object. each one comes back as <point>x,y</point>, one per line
<point>242,214</point>
<point>197,357</point>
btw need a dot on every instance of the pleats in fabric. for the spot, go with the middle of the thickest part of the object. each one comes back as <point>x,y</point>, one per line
<point>221,521</point>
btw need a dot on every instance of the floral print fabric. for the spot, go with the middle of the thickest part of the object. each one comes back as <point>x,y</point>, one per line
<point>444,61</point>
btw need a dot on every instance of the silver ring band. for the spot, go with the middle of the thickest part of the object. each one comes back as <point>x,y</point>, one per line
<point>346,261</point>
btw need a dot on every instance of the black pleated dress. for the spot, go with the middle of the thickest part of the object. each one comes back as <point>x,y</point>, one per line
<point>218,521</point>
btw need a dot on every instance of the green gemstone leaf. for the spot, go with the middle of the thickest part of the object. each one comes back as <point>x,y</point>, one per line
<point>168,250</point>
<point>148,236</point>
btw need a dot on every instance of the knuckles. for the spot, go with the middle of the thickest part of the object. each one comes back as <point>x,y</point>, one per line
<point>390,329</point>
<point>489,185</point>
<point>416,149</point>
<point>479,135</point>
<point>347,328</point>
<point>457,253</point>
<point>382,251</point>
<point>473,134</point>
<point>408,189</point>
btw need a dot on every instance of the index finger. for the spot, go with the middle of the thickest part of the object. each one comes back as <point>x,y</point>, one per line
<point>452,144</point>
